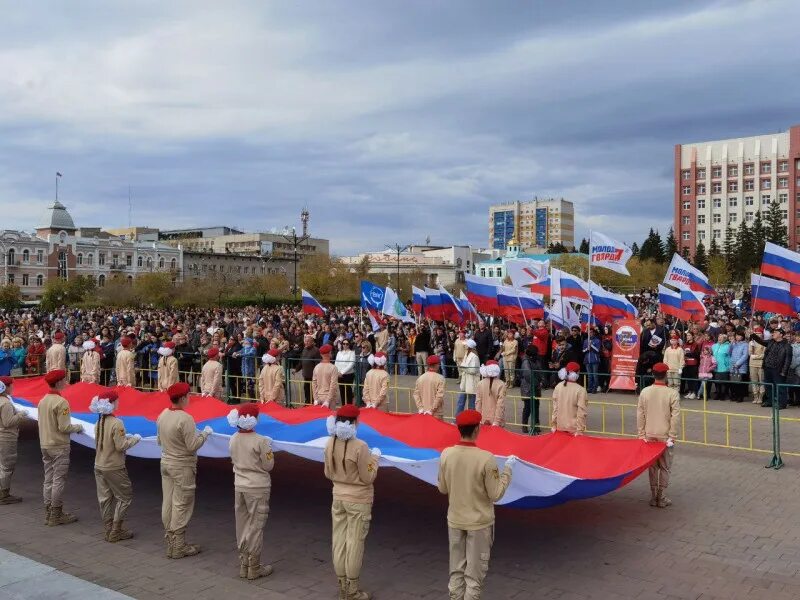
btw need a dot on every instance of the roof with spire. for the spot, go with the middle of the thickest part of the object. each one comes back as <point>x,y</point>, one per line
<point>57,218</point>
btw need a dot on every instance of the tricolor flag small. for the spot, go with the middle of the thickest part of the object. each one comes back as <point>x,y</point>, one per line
<point>418,299</point>
<point>469,312</point>
<point>568,287</point>
<point>608,306</point>
<point>692,303</point>
<point>771,295</point>
<point>310,304</point>
<point>669,303</point>
<point>450,307</point>
<point>482,292</point>
<point>433,305</point>
<point>684,276</point>
<point>782,263</point>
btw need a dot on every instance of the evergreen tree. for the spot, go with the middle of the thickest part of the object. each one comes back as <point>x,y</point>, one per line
<point>646,252</point>
<point>713,249</point>
<point>658,248</point>
<point>758,236</point>
<point>700,260</point>
<point>775,230</point>
<point>584,249</point>
<point>729,247</point>
<point>685,252</point>
<point>635,249</point>
<point>670,246</point>
<point>743,253</point>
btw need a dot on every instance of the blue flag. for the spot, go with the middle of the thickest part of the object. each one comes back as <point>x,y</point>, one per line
<point>371,296</point>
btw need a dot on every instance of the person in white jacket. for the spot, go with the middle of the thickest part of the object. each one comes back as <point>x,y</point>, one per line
<point>346,365</point>
<point>470,377</point>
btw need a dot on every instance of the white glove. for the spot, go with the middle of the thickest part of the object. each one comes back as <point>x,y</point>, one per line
<point>680,371</point>
<point>207,430</point>
<point>376,452</point>
<point>644,439</point>
<point>670,443</point>
<point>495,424</point>
<point>326,404</point>
<point>80,429</point>
<point>511,461</point>
<point>577,433</point>
<point>137,437</point>
<point>427,412</point>
<point>421,412</point>
<point>23,411</point>
<point>552,430</point>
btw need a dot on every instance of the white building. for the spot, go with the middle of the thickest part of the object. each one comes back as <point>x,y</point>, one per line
<point>541,222</point>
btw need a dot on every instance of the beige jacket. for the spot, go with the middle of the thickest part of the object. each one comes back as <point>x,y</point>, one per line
<point>271,384</point>
<point>10,420</point>
<point>352,469</point>
<point>126,370</point>
<point>491,401</point>
<point>167,372</point>
<point>56,357</point>
<point>90,367</point>
<point>674,358</point>
<point>252,458</point>
<point>429,393</point>
<point>459,351</point>
<point>570,407</point>
<point>178,437</point>
<point>54,422</point>
<point>658,412</point>
<point>381,340</point>
<point>325,384</point>
<point>376,385</point>
<point>111,443</point>
<point>211,379</point>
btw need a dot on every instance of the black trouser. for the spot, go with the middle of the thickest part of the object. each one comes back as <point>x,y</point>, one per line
<point>774,380</point>
<point>689,379</point>
<point>347,383</point>
<point>739,388</point>
<point>794,390</point>
<point>526,414</point>
<point>307,391</point>
<point>721,385</point>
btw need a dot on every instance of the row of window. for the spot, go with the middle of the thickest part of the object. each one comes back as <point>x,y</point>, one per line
<point>732,218</point>
<point>766,199</point>
<point>11,256</point>
<point>11,279</point>
<point>235,269</point>
<point>733,186</point>
<point>492,272</point>
<point>88,260</point>
<point>765,168</point>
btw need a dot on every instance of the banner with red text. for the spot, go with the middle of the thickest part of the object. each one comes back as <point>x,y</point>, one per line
<point>625,354</point>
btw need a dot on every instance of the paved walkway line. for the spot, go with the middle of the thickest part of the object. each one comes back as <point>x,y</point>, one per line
<point>25,579</point>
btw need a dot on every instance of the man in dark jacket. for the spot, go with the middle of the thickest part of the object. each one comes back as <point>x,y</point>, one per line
<point>777,360</point>
<point>309,358</point>
<point>484,343</point>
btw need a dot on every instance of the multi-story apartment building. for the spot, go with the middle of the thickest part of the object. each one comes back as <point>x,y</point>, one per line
<point>225,240</point>
<point>725,182</point>
<point>541,222</point>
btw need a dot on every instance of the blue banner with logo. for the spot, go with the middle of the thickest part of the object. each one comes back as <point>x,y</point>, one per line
<point>371,296</point>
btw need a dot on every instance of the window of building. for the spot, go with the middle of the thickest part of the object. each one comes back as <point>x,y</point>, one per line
<point>114,260</point>
<point>766,184</point>
<point>39,280</point>
<point>733,202</point>
<point>701,203</point>
<point>717,202</point>
<point>716,172</point>
<point>733,171</point>
<point>766,168</point>
<point>716,187</point>
<point>732,218</point>
<point>748,201</point>
<point>39,256</point>
<point>687,190</point>
<point>748,216</point>
<point>701,188</point>
<point>26,256</point>
<point>62,264</point>
<point>686,174</point>
<point>161,263</point>
<point>24,279</point>
<point>149,262</point>
<point>128,260</point>
<point>784,214</point>
<point>687,205</point>
<point>101,281</point>
<point>686,236</point>
<point>717,218</point>
<point>783,198</point>
<point>783,182</point>
<point>783,166</point>
<point>749,169</point>
<point>173,264</point>
<point>749,185</point>
<point>101,258</point>
<point>701,173</point>
<point>140,261</point>
<point>11,256</point>
<point>701,235</point>
<point>765,199</point>
<point>733,186</point>
<point>80,258</point>
<point>10,279</point>
<point>491,272</point>
<point>686,220</point>
<point>90,259</point>
<point>701,219</point>
<point>716,234</point>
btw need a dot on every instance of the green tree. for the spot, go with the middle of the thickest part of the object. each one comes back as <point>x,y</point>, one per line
<point>10,296</point>
<point>774,228</point>
<point>557,248</point>
<point>700,259</point>
<point>713,249</point>
<point>729,247</point>
<point>155,289</point>
<point>67,292</point>
<point>635,249</point>
<point>670,245</point>
<point>743,253</point>
<point>759,238</point>
<point>584,249</point>
<point>718,273</point>
<point>685,253</point>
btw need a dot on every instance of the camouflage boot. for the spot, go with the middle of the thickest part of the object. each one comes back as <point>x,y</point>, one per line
<point>119,533</point>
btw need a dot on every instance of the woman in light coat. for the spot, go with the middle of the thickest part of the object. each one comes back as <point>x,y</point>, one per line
<point>470,377</point>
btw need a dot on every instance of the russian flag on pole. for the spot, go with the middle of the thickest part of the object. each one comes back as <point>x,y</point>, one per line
<point>310,304</point>
<point>418,300</point>
<point>482,292</point>
<point>669,303</point>
<point>608,306</point>
<point>562,314</point>
<point>433,305</point>
<point>782,263</point>
<point>684,276</point>
<point>450,307</point>
<point>569,287</point>
<point>508,305</point>
<point>586,319</point>
<point>469,312</point>
<point>692,303</point>
<point>771,295</point>
<point>609,253</point>
<point>532,305</point>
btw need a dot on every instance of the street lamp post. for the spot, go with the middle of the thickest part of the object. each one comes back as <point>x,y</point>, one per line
<point>295,241</point>
<point>398,249</point>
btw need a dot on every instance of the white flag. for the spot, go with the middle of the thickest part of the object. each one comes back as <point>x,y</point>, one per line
<point>392,307</point>
<point>525,271</point>
<point>609,253</point>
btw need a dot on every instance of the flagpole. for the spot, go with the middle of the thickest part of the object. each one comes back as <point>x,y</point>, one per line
<point>591,301</point>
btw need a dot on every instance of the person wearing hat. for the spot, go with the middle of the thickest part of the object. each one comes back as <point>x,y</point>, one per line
<point>167,367</point>
<point>56,356</point>
<point>657,416</point>
<point>90,362</point>
<point>469,368</point>
<point>55,427</point>
<point>472,482</point>
<point>429,390</point>
<point>674,358</point>
<point>570,402</point>
<point>756,365</point>
<point>491,401</point>
<point>271,380</point>
<point>509,350</point>
<point>179,440</point>
<point>211,375</point>
<point>325,380</point>
<point>376,383</point>
<point>114,490</point>
<point>460,350</point>
<point>125,364</point>
<point>252,458</point>
<point>352,468</point>
<point>10,420</point>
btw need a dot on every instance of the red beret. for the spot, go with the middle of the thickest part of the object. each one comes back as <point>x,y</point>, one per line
<point>489,362</point>
<point>6,380</point>
<point>53,377</point>
<point>248,410</point>
<point>573,367</point>
<point>125,342</point>
<point>274,352</point>
<point>673,335</point>
<point>349,411</point>
<point>433,359</point>
<point>213,352</point>
<point>58,336</point>
<point>660,368</point>
<point>326,349</point>
<point>109,395</point>
<point>380,355</point>
<point>468,417</point>
<point>178,390</point>
<point>170,345</point>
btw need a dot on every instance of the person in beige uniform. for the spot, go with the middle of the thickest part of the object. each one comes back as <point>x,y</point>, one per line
<point>473,483</point>
<point>55,426</point>
<point>376,383</point>
<point>352,468</point>
<point>125,364</point>
<point>756,352</point>
<point>55,358</point>
<point>429,390</point>
<point>211,375</point>
<point>460,349</point>
<point>271,380</point>
<point>382,339</point>
<point>114,490</point>
<point>509,350</point>
<point>10,420</point>
<point>657,416</point>
<point>252,458</point>
<point>90,363</point>
<point>325,380</point>
<point>167,367</point>
<point>570,402</point>
<point>179,440</point>
<point>491,400</point>
<point>675,359</point>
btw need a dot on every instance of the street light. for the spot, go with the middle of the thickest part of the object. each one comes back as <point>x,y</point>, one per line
<point>398,250</point>
<point>295,241</point>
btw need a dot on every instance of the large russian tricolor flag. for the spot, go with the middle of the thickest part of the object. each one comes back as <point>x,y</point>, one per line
<point>508,305</point>
<point>669,303</point>
<point>684,276</point>
<point>418,300</point>
<point>692,303</point>
<point>569,287</point>
<point>608,306</point>
<point>469,312</point>
<point>782,263</point>
<point>532,305</point>
<point>482,292</point>
<point>450,307</point>
<point>310,304</point>
<point>771,295</point>
<point>433,305</point>
<point>553,468</point>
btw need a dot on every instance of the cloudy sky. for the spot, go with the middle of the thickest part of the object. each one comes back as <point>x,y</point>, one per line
<point>391,121</point>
